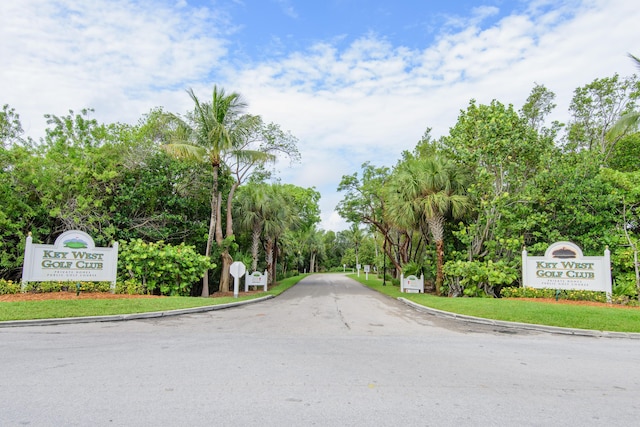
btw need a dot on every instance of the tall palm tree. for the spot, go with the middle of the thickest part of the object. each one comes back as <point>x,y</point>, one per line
<point>427,190</point>
<point>315,245</point>
<point>279,215</point>
<point>210,135</point>
<point>253,205</point>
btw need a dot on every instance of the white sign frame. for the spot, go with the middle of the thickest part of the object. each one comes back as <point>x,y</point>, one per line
<point>73,257</point>
<point>256,279</point>
<point>411,284</point>
<point>563,266</point>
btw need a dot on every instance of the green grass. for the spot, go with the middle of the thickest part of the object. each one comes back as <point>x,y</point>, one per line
<point>568,316</point>
<point>55,309</point>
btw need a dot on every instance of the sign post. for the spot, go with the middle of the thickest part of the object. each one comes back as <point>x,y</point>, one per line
<point>237,270</point>
<point>367,268</point>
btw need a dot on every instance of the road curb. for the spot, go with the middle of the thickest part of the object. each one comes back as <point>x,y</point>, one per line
<point>125,317</point>
<point>522,326</point>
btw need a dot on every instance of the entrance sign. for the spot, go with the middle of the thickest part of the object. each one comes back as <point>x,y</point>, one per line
<point>564,267</point>
<point>256,279</point>
<point>412,284</point>
<point>237,270</point>
<point>72,257</point>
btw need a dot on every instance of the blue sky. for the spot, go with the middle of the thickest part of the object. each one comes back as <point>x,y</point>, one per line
<point>274,27</point>
<point>354,80</point>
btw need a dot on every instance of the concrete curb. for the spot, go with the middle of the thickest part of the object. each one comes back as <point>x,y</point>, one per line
<point>124,317</point>
<point>523,326</point>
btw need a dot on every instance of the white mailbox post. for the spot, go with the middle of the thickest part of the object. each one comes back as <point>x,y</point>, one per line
<point>237,270</point>
<point>256,279</point>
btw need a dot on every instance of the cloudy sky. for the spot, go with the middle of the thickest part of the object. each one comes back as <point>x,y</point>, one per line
<point>353,80</point>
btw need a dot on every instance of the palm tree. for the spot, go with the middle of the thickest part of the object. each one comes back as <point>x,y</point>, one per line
<point>427,190</point>
<point>627,122</point>
<point>315,245</point>
<point>207,139</point>
<point>252,205</point>
<point>355,236</point>
<point>279,215</point>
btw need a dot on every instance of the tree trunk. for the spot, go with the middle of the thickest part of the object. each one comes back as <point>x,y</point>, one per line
<point>388,249</point>
<point>225,257</point>
<point>225,274</point>
<point>312,262</point>
<point>212,227</point>
<point>269,259</point>
<point>229,212</point>
<point>255,247</point>
<point>439,272</point>
<point>276,255</point>
<point>436,226</point>
<point>227,260</point>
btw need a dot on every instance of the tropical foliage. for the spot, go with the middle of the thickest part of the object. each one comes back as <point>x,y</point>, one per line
<point>165,188</point>
<point>461,208</point>
<point>458,208</point>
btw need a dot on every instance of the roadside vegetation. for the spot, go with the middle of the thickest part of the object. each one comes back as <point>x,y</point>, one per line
<point>55,309</point>
<point>611,318</point>
<point>186,195</point>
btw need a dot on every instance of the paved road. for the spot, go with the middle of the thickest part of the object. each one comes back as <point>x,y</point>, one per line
<point>328,352</point>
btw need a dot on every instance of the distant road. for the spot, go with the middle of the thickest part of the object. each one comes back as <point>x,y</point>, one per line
<point>327,352</point>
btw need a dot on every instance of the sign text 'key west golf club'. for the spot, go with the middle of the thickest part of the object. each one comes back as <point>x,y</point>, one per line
<point>564,267</point>
<point>73,257</point>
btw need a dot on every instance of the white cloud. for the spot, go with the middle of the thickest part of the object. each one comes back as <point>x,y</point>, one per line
<point>374,100</point>
<point>287,8</point>
<point>113,56</point>
<point>366,102</point>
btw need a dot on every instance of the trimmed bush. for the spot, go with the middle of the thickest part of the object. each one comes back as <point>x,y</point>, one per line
<point>513,292</point>
<point>160,267</point>
<point>9,287</point>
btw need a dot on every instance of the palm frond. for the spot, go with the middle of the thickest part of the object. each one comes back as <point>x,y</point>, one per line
<point>186,151</point>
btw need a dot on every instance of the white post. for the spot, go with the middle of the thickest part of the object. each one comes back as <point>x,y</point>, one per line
<point>607,273</point>
<point>524,268</point>
<point>237,270</point>
<point>114,272</point>
<point>26,263</point>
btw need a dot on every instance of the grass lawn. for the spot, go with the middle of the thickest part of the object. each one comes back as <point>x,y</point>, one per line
<point>55,309</point>
<point>613,319</point>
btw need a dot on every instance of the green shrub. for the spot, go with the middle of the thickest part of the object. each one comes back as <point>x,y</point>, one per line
<point>9,287</point>
<point>160,268</point>
<point>573,295</point>
<point>478,278</point>
<point>625,286</point>
<point>130,287</point>
<point>67,286</point>
<point>412,268</point>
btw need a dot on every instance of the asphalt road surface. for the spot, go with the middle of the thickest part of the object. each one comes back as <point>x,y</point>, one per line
<point>328,352</point>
